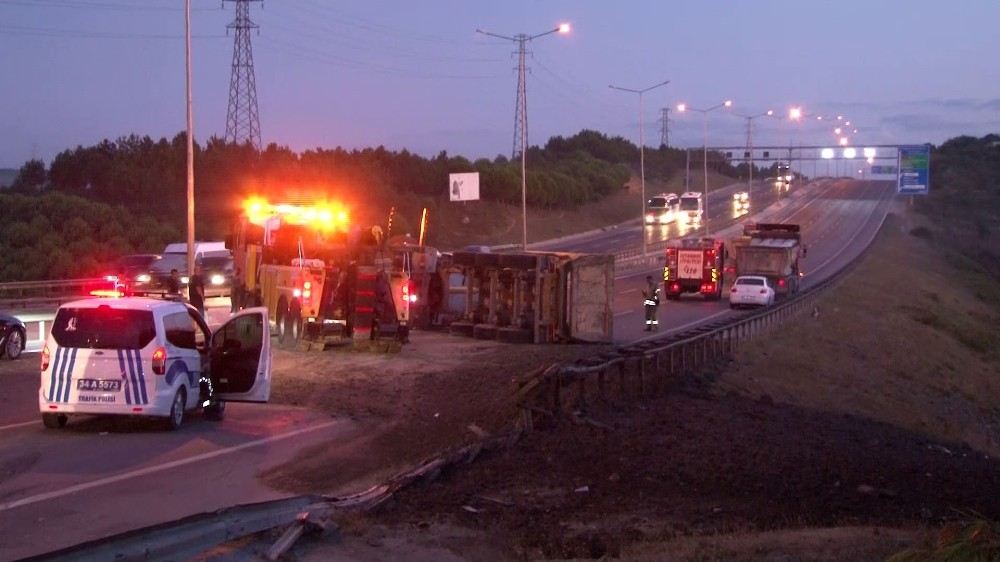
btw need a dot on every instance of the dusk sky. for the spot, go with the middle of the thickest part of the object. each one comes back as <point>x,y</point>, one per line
<point>416,75</point>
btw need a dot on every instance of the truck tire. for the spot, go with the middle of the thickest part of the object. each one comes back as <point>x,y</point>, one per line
<point>295,323</point>
<point>281,317</point>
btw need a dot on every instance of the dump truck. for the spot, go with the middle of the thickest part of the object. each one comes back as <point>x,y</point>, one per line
<point>770,250</point>
<point>694,265</point>
<point>321,278</point>
<point>532,297</point>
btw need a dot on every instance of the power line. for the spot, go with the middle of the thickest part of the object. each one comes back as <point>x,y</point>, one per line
<point>89,34</point>
<point>87,5</point>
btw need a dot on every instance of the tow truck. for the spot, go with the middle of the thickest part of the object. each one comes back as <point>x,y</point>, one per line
<point>322,279</point>
<point>694,265</point>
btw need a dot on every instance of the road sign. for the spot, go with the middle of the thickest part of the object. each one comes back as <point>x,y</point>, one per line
<point>883,169</point>
<point>914,170</point>
<point>463,187</point>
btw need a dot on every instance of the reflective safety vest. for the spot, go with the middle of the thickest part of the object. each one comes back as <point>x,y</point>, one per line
<point>651,299</point>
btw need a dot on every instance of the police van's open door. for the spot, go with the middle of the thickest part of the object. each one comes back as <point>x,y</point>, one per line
<point>240,357</point>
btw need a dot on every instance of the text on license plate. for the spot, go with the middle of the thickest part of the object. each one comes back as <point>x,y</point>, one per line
<point>100,385</point>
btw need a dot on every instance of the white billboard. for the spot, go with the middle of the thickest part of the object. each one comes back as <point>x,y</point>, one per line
<point>463,187</point>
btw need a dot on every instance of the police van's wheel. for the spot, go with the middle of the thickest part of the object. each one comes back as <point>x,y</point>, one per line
<point>176,418</point>
<point>54,421</point>
<point>216,410</point>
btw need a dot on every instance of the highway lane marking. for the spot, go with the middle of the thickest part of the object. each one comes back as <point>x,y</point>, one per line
<point>159,468</point>
<point>629,291</point>
<point>20,424</point>
<point>680,328</point>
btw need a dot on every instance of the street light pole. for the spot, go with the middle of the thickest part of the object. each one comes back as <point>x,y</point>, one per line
<point>704,159</point>
<point>190,139</point>
<point>642,157</point>
<point>521,39</point>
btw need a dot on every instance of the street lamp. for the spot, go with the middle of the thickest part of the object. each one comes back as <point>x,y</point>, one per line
<point>704,159</point>
<point>521,39</point>
<point>750,118</point>
<point>642,157</point>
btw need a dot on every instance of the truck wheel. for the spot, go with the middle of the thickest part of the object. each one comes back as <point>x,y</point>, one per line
<point>54,421</point>
<point>295,323</point>
<point>282,318</point>
<point>176,418</point>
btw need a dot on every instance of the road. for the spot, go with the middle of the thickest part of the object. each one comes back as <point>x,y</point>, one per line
<point>104,476</point>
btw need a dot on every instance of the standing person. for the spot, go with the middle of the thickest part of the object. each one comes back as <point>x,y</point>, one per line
<point>196,290</point>
<point>174,283</point>
<point>651,302</point>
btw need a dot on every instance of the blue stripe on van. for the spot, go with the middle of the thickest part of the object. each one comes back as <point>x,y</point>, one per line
<point>52,375</point>
<point>125,379</point>
<point>131,374</point>
<point>69,374</point>
<point>59,376</point>
<point>142,376</point>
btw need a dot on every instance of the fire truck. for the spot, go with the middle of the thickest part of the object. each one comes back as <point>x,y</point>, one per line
<point>695,265</point>
<point>322,279</point>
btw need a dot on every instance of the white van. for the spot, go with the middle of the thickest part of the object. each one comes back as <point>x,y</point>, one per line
<point>137,356</point>
<point>200,249</point>
<point>691,208</point>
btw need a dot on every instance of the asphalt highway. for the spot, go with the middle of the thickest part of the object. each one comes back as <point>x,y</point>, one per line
<point>102,476</point>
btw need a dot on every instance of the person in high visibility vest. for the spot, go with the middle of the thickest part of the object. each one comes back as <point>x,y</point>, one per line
<point>651,302</point>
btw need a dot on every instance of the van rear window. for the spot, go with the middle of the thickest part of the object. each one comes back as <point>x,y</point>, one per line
<point>103,328</point>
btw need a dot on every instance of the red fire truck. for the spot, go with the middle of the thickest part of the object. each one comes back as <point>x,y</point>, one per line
<point>695,265</point>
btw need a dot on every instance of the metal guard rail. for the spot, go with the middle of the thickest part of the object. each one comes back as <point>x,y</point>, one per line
<point>567,388</point>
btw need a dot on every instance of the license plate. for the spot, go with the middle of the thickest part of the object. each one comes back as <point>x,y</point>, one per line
<point>99,385</point>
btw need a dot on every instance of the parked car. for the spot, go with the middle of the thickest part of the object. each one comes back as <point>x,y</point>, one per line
<point>751,290</point>
<point>13,335</point>
<point>217,272</point>
<point>135,270</point>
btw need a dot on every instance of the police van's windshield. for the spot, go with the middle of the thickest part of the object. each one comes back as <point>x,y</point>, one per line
<point>690,203</point>
<point>103,328</point>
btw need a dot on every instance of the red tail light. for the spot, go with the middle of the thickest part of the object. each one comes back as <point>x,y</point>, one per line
<point>781,282</point>
<point>159,361</point>
<point>45,358</point>
<point>409,292</point>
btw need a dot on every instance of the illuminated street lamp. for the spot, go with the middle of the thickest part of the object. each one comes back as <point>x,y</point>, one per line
<point>521,40</point>
<point>795,113</point>
<point>843,141</point>
<point>642,158</point>
<point>682,107</point>
<point>837,131</point>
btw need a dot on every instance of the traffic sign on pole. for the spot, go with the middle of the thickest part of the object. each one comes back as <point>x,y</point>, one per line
<point>914,170</point>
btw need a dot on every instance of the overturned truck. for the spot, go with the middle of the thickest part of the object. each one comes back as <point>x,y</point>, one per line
<point>534,297</point>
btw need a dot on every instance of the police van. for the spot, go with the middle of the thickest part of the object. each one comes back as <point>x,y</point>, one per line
<point>137,356</point>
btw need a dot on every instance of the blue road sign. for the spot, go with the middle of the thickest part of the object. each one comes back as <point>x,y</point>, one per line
<point>914,175</point>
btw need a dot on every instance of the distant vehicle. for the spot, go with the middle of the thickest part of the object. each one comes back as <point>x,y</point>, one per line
<point>662,208</point>
<point>135,270</point>
<point>751,290</point>
<point>175,257</point>
<point>741,203</point>
<point>217,273</point>
<point>136,356</point>
<point>691,208</point>
<point>784,177</point>
<point>13,335</point>
<point>694,265</point>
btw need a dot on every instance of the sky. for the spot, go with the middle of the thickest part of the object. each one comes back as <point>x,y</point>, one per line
<point>416,75</point>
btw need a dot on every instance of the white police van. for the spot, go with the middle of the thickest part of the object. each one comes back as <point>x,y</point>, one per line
<point>137,356</point>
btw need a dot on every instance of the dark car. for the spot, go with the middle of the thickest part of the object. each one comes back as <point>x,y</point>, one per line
<point>216,272</point>
<point>13,336</point>
<point>136,269</point>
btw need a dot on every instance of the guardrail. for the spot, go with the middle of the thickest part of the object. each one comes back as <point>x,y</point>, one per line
<point>635,370</point>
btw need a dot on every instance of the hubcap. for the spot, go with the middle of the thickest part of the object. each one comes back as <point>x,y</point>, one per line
<point>178,409</point>
<point>13,343</point>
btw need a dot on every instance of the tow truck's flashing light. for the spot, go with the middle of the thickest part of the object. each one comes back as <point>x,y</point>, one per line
<point>323,215</point>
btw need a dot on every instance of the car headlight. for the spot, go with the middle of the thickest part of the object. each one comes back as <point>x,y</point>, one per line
<point>217,279</point>
<point>143,278</point>
<point>185,279</point>
<point>649,217</point>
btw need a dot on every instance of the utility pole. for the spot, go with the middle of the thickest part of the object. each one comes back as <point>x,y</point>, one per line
<point>242,120</point>
<point>190,138</point>
<point>521,115</point>
<point>665,127</point>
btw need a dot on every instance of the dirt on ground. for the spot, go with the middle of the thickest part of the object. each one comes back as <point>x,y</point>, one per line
<point>848,434</point>
<point>439,391</point>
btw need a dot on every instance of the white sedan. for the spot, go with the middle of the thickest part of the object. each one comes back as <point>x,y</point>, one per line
<point>751,290</point>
